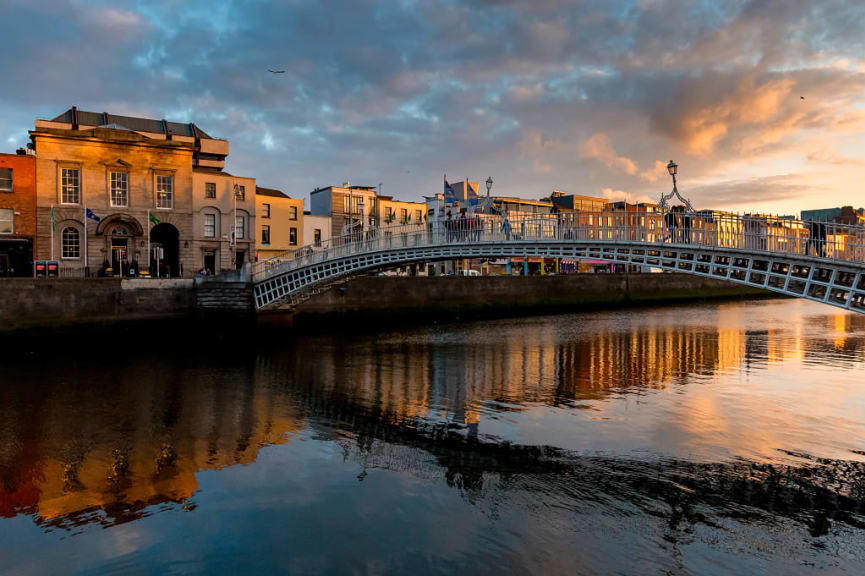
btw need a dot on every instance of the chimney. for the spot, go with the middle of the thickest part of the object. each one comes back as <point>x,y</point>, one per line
<point>74,118</point>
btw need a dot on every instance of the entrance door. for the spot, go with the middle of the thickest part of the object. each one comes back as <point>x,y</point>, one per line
<point>4,265</point>
<point>119,260</point>
<point>210,262</point>
<point>239,259</point>
<point>166,237</point>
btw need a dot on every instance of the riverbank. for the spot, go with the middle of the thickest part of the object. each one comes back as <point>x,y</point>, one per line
<point>56,303</point>
<point>393,299</point>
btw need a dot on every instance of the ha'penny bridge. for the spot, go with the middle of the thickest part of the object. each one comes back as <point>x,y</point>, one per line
<point>824,262</point>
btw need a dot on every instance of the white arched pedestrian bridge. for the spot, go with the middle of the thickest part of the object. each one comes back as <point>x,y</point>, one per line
<point>824,262</point>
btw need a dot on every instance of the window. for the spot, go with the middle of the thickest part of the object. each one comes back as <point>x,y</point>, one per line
<point>7,218</point>
<point>119,189</point>
<point>418,215</point>
<point>240,228</point>
<point>292,236</point>
<point>265,234</point>
<point>5,179</point>
<point>317,236</point>
<point>210,189</point>
<point>388,213</point>
<point>403,215</point>
<point>210,225</point>
<point>265,210</point>
<point>71,241</point>
<point>292,212</point>
<point>240,192</point>
<point>164,191</point>
<point>70,185</point>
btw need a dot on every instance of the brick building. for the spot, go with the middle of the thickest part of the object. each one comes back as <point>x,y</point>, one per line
<point>17,213</point>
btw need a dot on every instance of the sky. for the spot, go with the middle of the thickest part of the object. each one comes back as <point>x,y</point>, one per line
<point>761,103</point>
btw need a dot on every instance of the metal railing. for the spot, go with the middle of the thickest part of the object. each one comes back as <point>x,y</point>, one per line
<point>764,234</point>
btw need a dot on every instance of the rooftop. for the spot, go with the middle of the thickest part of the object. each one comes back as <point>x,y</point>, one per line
<point>118,122</point>
<point>272,192</point>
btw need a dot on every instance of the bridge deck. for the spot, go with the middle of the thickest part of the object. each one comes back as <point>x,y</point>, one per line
<point>817,261</point>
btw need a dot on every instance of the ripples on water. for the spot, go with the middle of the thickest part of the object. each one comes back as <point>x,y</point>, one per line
<point>718,438</point>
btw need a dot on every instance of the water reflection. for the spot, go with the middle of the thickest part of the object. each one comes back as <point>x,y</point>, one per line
<point>698,415</point>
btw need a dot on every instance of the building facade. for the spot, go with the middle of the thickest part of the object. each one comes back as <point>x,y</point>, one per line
<point>223,219</point>
<point>349,207</point>
<point>280,223</point>
<point>119,191</point>
<point>17,213</point>
<point>398,213</point>
<point>316,229</point>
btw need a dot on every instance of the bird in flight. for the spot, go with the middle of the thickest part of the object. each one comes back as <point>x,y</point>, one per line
<point>275,72</point>
<point>801,97</point>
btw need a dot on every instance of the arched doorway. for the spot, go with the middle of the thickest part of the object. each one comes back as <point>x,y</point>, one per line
<point>164,251</point>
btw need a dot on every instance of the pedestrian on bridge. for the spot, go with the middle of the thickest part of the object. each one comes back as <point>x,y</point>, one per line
<point>506,228</point>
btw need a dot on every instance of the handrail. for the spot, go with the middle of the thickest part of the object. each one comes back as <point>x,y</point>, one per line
<point>825,241</point>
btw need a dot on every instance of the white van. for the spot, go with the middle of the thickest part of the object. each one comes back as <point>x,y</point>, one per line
<point>469,273</point>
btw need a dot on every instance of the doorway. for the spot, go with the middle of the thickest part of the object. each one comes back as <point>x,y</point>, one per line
<point>210,262</point>
<point>165,251</point>
<point>119,259</point>
<point>239,259</point>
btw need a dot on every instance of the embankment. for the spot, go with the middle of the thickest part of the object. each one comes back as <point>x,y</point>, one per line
<point>398,297</point>
<point>27,303</point>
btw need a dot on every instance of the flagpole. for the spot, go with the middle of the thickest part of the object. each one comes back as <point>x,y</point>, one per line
<point>149,271</point>
<point>51,217</point>
<point>85,240</point>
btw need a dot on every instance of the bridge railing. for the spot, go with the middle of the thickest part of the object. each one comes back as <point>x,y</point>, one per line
<point>772,235</point>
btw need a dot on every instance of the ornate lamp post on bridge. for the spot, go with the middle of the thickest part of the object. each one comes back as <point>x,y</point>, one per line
<point>673,169</point>
<point>489,185</point>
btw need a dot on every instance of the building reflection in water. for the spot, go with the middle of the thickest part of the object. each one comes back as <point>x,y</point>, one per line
<point>105,444</point>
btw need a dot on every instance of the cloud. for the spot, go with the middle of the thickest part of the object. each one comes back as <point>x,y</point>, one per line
<point>750,192</point>
<point>598,147</point>
<point>510,88</point>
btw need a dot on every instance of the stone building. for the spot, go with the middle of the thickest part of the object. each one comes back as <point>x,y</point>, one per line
<point>223,208</point>
<point>279,227</point>
<point>133,177</point>
<point>17,213</point>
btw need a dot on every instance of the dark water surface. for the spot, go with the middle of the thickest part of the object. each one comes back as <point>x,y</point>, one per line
<point>724,438</point>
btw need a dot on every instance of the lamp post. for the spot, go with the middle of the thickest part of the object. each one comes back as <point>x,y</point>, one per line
<point>673,169</point>
<point>489,185</point>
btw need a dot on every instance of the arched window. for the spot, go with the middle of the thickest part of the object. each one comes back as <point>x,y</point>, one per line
<point>71,243</point>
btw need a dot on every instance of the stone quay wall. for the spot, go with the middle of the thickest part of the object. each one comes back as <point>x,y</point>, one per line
<point>502,295</point>
<point>54,302</point>
<point>29,303</point>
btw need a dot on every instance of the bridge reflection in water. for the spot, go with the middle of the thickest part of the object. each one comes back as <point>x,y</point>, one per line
<point>86,444</point>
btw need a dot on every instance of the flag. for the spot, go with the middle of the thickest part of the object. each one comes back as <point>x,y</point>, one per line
<point>153,219</point>
<point>52,218</point>
<point>471,194</point>
<point>450,195</point>
<point>89,214</point>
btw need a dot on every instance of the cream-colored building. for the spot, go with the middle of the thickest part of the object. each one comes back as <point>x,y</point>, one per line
<point>280,226</point>
<point>398,213</point>
<point>134,177</point>
<point>222,205</point>
<point>316,229</point>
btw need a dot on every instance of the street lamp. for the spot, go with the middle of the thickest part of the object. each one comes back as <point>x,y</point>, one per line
<point>489,185</point>
<point>673,169</point>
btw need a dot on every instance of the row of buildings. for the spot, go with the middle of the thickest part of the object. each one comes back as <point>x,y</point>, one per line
<point>106,193</point>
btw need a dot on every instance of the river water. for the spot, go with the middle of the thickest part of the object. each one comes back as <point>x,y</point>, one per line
<point>719,438</point>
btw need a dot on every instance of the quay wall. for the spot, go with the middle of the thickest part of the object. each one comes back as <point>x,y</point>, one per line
<point>49,302</point>
<point>29,303</point>
<point>502,295</point>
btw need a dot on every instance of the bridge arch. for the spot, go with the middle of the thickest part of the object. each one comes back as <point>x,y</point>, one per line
<point>801,274</point>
